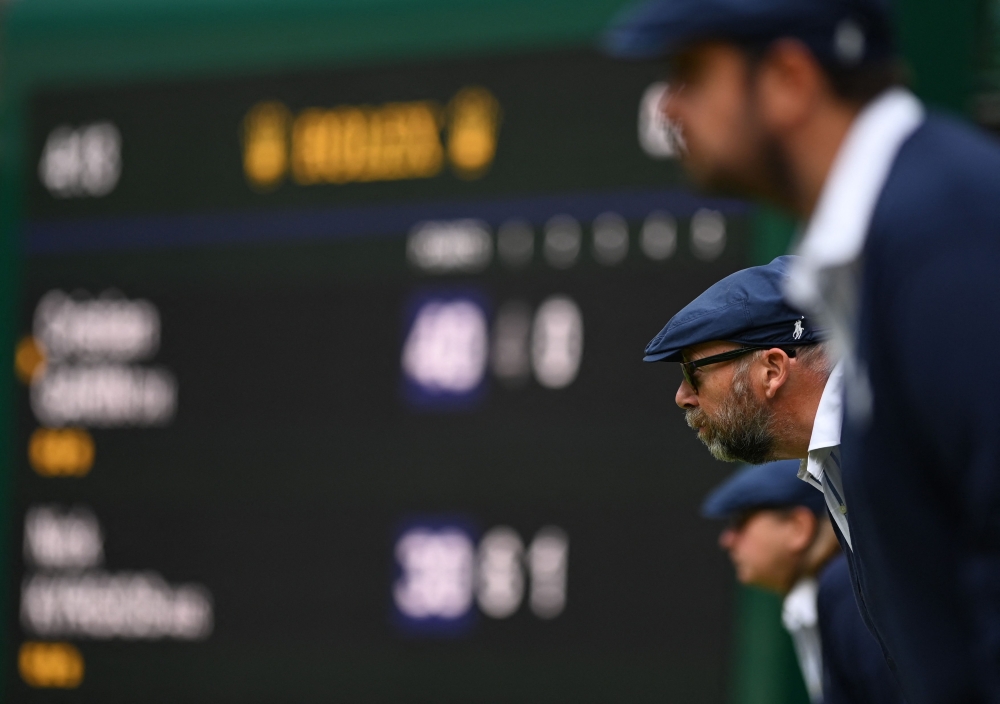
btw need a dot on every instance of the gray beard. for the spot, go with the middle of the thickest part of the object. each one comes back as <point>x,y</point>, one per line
<point>742,431</point>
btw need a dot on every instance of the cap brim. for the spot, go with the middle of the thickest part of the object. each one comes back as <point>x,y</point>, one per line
<point>717,513</point>
<point>662,357</point>
<point>628,43</point>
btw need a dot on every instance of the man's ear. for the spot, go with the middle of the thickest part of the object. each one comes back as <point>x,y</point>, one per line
<point>804,524</point>
<point>775,368</point>
<point>790,81</point>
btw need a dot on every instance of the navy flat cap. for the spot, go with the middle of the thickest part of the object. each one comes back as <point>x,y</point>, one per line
<point>772,485</point>
<point>839,32</point>
<point>747,307</point>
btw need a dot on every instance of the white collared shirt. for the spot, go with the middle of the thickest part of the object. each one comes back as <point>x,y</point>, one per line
<point>824,281</point>
<point>836,233</point>
<point>801,619</point>
<point>821,467</point>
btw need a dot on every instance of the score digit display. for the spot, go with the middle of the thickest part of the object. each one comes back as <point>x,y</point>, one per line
<point>331,391</point>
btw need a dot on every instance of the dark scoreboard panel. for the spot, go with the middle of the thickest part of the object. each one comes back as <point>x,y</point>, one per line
<point>331,391</point>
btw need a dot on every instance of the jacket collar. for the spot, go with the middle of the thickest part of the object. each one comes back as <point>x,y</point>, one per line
<point>838,227</point>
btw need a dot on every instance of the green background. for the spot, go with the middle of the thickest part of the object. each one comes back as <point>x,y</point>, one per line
<point>57,43</point>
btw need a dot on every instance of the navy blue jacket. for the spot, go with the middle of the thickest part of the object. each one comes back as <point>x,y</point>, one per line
<point>855,670</point>
<point>922,475</point>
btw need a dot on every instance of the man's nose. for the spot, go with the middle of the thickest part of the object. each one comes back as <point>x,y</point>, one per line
<point>727,538</point>
<point>670,104</point>
<point>686,397</point>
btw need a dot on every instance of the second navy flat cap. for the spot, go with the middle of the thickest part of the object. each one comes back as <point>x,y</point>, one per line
<point>747,307</point>
<point>840,32</point>
<point>771,485</point>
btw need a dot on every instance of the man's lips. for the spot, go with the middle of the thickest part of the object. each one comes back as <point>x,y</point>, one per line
<point>697,423</point>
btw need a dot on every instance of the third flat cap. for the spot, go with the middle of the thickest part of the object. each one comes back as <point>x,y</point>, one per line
<point>747,307</point>
<point>772,485</point>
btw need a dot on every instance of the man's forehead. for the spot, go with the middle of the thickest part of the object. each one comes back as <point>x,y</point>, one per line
<point>695,56</point>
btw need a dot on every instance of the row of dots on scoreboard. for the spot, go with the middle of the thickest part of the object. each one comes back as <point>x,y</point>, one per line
<point>469,245</point>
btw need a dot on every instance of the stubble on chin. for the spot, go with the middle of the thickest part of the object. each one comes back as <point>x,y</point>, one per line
<point>742,431</point>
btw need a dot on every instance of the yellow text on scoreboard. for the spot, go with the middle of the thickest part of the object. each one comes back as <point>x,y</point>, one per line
<point>364,143</point>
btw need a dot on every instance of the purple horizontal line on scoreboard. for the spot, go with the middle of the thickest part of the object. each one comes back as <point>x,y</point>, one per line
<point>380,220</point>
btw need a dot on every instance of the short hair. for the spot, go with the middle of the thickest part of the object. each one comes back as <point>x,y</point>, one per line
<point>815,358</point>
<point>862,84</point>
<point>853,84</point>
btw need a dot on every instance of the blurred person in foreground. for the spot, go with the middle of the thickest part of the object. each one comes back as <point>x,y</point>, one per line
<point>799,102</point>
<point>780,539</point>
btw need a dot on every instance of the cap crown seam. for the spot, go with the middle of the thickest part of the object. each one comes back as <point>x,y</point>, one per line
<point>746,312</point>
<point>674,325</point>
<point>713,311</point>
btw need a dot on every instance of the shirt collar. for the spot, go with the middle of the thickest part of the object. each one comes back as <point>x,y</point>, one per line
<point>826,427</point>
<point>829,414</point>
<point>799,608</point>
<point>837,229</point>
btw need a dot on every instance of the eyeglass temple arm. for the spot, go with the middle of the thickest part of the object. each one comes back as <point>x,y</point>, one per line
<point>732,354</point>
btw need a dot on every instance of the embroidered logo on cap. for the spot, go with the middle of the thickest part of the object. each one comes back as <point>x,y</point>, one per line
<point>798,331</point>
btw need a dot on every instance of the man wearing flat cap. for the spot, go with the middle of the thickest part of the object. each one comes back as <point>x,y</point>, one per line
<point>799,102</point>
<point>779,538</point>
<point>757,384</point>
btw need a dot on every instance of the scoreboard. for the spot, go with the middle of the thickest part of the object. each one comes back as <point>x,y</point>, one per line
<point>330,390</point>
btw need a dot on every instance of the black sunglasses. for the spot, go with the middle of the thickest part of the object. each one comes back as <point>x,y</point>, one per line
<point>688,368</point>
